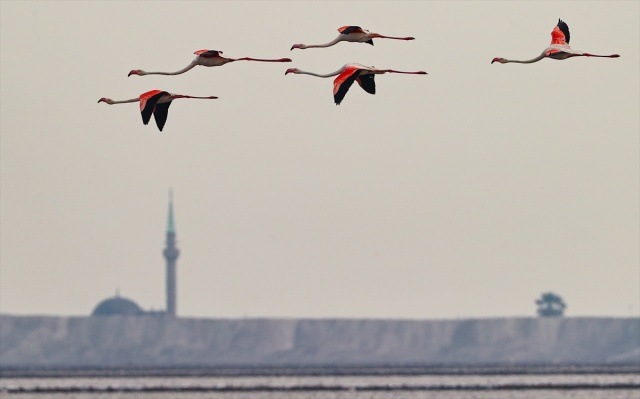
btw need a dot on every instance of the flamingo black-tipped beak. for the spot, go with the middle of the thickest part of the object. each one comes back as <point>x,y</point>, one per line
<point>289,71</point>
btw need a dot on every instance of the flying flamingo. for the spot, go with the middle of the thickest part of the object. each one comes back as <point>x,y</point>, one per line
<point>559,48</point>
<point>348,74</point>
<point>154,102</point>
<point>351,34</point>
<point>206,58</point>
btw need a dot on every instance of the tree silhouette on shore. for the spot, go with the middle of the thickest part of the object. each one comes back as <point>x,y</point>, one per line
<point>550,305</point>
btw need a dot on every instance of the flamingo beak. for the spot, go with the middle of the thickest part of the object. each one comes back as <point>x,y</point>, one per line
<point>290,70</point>
<point>495,60</point>
<point>134,72</point>
<point>295,46</point>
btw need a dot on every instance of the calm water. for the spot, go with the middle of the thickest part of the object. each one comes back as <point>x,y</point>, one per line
<point>518,386</point>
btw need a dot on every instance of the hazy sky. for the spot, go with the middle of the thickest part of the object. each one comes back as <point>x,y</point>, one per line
<point>467,192</point>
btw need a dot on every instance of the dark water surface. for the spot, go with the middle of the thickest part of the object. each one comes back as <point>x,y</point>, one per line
<point>323,384</point>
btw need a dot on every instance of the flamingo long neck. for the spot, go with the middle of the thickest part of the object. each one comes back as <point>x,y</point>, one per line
<point>183,70</point>
<point>331,43</point>
<point>327,75</point>
<point>531,61</point>
<point>133,100</point>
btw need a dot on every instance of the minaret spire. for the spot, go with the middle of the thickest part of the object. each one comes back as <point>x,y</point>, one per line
<point>171,226</point>
<point>171,253</point>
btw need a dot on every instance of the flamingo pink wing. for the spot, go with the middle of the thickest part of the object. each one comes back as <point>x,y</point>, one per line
<point>208,53</point>
<point>560,33</point>
<point>345,30</point>
<point>557,37</point>
<point>344,75</point>
<point>343,82</point>
<point>144,97</point>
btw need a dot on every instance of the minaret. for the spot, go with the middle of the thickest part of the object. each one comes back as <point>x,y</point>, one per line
<point>171,255</point>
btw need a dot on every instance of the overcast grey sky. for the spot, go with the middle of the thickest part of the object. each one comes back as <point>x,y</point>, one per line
<point>463,193</point>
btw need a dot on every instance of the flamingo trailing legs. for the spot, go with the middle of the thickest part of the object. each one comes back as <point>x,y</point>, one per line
<point>350,73</point>
<point>208,58</point>
<point>558,50</point>
<point>154,102</point>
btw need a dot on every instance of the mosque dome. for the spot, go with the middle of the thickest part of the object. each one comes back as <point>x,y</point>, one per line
<point>117,306</point>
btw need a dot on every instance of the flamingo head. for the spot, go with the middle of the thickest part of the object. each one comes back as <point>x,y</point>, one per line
<point>300,46</point>
<point>292,70</point>
<point>105,100</point>
<point>137,72</point>
<point>500,60</point>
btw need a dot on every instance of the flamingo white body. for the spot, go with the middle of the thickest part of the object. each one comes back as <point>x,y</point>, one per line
<point>350,73</point>
<point>353,34</point>
<point>154,102</point>
<point>207,58</point>
<point>559,48</point>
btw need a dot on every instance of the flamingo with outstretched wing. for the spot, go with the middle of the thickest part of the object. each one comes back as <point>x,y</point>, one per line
<point>154,102</point>
<point>558,50</point>
<point>354,34</point>
<point>350,73</point>
<point>208,58</point>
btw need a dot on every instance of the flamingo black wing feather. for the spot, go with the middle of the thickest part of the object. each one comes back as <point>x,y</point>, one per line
<point>344,87</point>
<point>210,54</point>
<point>367,83</point>
<point>345,30</point>
<point>565,29</point>
<point>150,106</point>
<point>160,114</point>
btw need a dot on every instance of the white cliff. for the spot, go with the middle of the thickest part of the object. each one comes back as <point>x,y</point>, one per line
<point>153,340</point>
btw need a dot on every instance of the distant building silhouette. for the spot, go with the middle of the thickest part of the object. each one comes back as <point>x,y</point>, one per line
<point>118,305</point>
<point>171,254</point>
